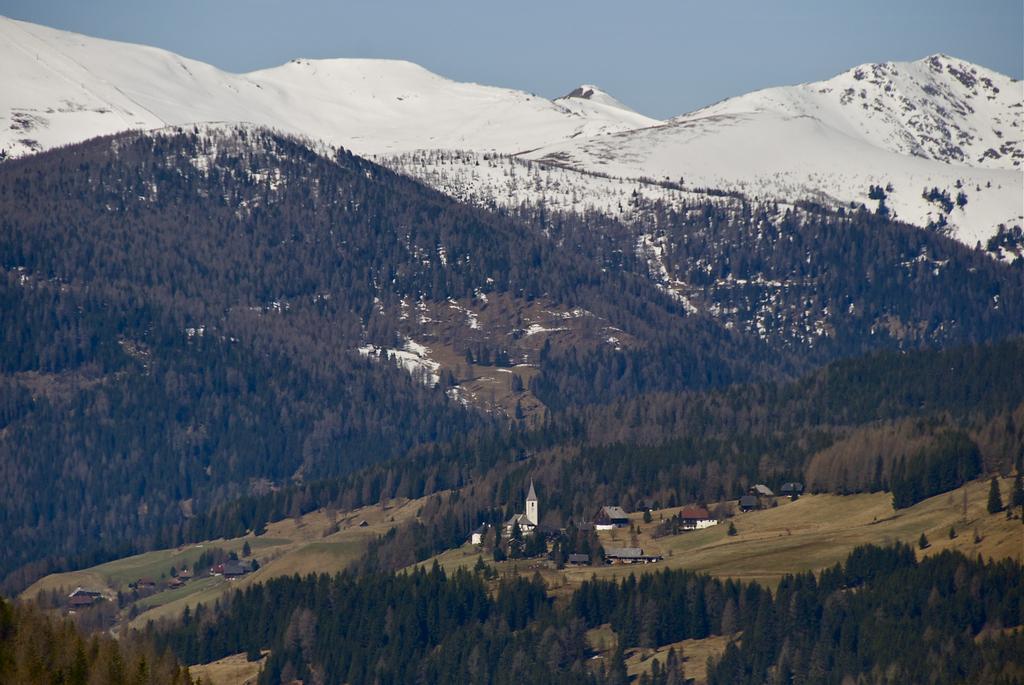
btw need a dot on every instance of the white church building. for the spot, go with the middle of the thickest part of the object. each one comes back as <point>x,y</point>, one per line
<point>527,522</point>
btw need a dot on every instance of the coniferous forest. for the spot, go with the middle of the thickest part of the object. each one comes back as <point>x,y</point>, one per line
<point>185,319</point>
<point>880,616</point>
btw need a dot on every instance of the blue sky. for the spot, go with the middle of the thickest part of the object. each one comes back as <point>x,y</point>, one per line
<point>662,58</point>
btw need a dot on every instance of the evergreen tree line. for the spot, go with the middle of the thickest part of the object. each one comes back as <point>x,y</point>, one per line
<point>880,616</point>
<point>36,649</point>
<point>950,463</point>
<point>422,626</point>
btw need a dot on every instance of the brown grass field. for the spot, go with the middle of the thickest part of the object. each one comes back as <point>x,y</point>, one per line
<point>231,670</point>
<point>694,653</point>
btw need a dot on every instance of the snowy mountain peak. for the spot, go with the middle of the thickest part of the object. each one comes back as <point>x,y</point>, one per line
<point>938,107</point>
<point>592,93</point>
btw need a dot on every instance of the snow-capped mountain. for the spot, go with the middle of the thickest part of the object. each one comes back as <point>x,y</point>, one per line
<point>938,108</point>
<point>907,128</point>
<point>934,123</point>
<point>61,87</point>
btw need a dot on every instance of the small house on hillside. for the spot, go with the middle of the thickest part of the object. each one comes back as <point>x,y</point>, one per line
<point>175,583</point>
<point>611,517</point>
<point>579,559</point>
<point>145,584</point>
<point>629,555</point>
<point>693,517</point>
<point>81,601</point>
<point>760,490</point>
<point>749,503</point>
<point>792,490</point>
<point>477,536</point>
<point>232,568</point>
<point>82,597</point>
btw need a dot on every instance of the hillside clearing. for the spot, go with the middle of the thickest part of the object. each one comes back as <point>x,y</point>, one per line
<point>296,545</point>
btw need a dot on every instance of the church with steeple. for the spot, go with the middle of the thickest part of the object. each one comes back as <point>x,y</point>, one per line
<point>527,522</point>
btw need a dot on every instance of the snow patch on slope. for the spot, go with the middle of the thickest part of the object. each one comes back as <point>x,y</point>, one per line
<point>413,357</point>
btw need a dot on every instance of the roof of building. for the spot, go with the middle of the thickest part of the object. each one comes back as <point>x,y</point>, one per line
<point>692,511</point>
<point>762,490</point>
<point>531,496</point>
<point>84,592</point>
<point>579,558</point>
<point>233,567</point>
<point>81,600</point>
<point>748,501</point>
<point>520,519</point>
<point>624,552</point>
<point>615,512</point>
<point>792,487</point>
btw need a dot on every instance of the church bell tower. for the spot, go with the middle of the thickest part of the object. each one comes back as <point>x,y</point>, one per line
<point>532,506</point>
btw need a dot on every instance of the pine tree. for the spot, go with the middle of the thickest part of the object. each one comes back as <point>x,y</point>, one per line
<point>617,674</point>
<point>1018,491</point>
<point>995,500</point>
<point>674,671</point>
<point>923,542</point>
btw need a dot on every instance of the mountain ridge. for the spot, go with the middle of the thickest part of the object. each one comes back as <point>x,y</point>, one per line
<point>64,87</point>
<point>906,127</point>
<point>937,124</point>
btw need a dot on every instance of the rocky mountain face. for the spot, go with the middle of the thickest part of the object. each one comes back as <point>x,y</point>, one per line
<point>938,108</point>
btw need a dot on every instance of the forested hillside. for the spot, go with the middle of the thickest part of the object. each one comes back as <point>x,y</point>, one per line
<point>191,310</point>
<point>800,278</point>
<point>185,310</point>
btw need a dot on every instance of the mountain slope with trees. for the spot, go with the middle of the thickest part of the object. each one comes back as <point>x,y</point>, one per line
<point>186,309</point>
